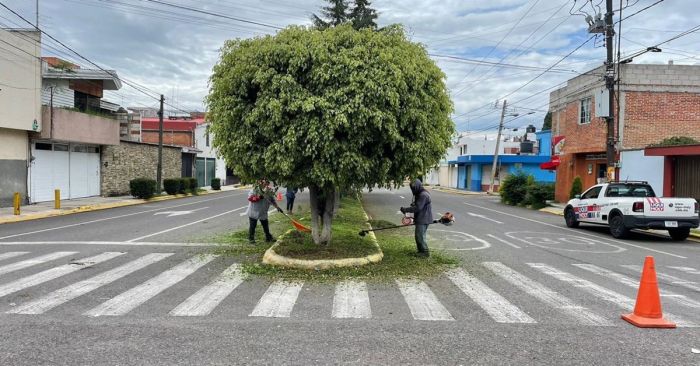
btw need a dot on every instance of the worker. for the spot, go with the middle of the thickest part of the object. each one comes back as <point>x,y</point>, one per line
<point>260,197</point>
<point>422,216</point>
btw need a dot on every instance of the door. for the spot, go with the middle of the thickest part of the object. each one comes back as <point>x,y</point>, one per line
<point>200,168</point>
<point>84,171</point>
<point>588,208</point>
<point>50,170</point>
<point>211,170</point>
<point>687,177</point>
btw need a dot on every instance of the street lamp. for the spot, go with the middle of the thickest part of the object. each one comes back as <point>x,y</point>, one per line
<point>649,49</point>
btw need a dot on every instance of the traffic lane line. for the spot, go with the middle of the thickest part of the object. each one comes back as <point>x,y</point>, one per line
<point>33,232</point>
<point>185,225</point>
<point>579,232</point>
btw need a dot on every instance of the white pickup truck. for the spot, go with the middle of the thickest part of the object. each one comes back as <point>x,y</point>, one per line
<point>632,205</point>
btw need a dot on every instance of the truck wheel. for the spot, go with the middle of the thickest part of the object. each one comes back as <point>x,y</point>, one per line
<point>570,218</point>
<point>679,234</point>
<point>617,227</point>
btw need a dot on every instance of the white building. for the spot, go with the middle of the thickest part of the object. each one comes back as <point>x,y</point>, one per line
<point>209,164</point>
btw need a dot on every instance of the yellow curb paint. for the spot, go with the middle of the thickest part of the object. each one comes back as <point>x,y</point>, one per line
<point>272,258</point>
<point>88,208</point>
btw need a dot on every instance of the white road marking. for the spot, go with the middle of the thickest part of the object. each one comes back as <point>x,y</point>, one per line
<point>686,269</point>
<point>577,231</point>
<point>9,255</point>
<point>61,296</point>
<point>631,282</point>
<point>422,302</point>
<point>130,299</point>
<point>483,217</point>
<point>351,300</point>
<point>204,301</point>
<point>56,272</point>
<point>484,243</point>
<point>278,301</point>
<point>178,213</point>
<point>562,241</point>
<point>601,292</point>
<point>504,242</point>
<point>33,261</point>
<point>130,243</point>
<point>402,197</point>
<point>546,295</point>
<point>113,217</point>
<point>672,279</point>
<point>498,308</point>
<point>185,225</point>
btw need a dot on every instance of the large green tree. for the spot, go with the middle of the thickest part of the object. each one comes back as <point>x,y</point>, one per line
<point>547,124</point>
<point>332,110</point>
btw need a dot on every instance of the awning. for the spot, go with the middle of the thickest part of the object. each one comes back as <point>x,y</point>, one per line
<point>552,164</point>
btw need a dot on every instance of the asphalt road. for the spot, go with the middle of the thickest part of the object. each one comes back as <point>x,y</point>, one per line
<point>133,286</point>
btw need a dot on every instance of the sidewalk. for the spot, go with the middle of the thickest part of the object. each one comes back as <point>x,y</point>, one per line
<point>459,191</point>
<point>558,209</point>
<point>46,209</point>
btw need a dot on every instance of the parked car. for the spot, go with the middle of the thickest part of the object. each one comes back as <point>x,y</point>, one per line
<point>633,205</point>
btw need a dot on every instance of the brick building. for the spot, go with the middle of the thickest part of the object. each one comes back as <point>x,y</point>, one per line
<point>176,131</point>
<point>656,102</point>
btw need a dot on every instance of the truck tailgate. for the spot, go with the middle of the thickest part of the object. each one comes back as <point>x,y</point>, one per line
<point>669,207</point>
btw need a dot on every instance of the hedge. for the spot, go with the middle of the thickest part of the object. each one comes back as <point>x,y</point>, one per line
<point>143,188</point>
<point>171,185</point>
<point>216,184</point>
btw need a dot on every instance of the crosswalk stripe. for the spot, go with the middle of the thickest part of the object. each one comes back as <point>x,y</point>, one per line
<point>279,299</point>
<point>9,255</point>
<point>547,295</point>
<point>673,279</point>
<point>500,309</point>
<point>686,269</point>
<point>130,299</point>
<point>33,262</point>
<point>210,296</point>
<point>56,272</point>
<point>630,282</point>
<point>61,296</point>
<point>422,302</point>
<point>601,292</point>
<point>351,300</point>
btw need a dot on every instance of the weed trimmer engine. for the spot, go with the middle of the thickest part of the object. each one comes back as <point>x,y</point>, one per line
<point>447,219</point>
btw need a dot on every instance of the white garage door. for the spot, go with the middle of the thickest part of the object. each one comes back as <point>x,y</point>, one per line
<point>74,169</point>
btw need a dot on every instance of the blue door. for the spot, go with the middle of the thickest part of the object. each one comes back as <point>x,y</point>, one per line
<point>461,177</point>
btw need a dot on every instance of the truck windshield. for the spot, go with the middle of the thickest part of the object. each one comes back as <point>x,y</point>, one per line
<point>629,190</point>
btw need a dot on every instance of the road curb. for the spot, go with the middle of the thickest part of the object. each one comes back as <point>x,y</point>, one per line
<point>461,192</point>
<point>97,207</point>
<point>552,211</point>
<point>272,258</point>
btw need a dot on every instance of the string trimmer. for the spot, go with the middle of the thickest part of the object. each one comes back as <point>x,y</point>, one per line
<point>447,219</point>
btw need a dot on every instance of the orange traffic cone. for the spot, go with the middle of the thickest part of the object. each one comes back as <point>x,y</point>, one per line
<point>279,196</point>
<point>647,310</point>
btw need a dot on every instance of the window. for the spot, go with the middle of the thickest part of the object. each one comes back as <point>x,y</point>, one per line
<point>60,147</point>
<point>207,136</point>
<point>592,193</point>
<point>584,115</point>
<point>42,146</point>
<point>629,190</point>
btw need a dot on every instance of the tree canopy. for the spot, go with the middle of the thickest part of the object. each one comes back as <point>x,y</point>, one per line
<point>547,124</point>
<point>335,109</point>
<point>363,16</point>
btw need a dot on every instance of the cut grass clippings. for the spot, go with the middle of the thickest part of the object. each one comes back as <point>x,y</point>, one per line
<point>398,246</point>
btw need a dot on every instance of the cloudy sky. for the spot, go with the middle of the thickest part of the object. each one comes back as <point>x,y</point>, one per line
<point>165,49</point>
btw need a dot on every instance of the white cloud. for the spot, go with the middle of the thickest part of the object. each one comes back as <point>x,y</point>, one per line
<point>172,51</point>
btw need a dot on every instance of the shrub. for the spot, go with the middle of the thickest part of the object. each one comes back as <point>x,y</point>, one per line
<point>142,187</point>
<point>183,188</point>
<point>513,189</point>
<point>216,184</point>
<point>576,187</point>
<point>192,185</point>
<point>171,185</point>
<point>538,194</point>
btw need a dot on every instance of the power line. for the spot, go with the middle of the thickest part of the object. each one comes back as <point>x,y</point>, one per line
<point>214,14</point>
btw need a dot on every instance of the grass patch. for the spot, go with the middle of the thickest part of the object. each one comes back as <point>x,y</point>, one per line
<point>398,246</point>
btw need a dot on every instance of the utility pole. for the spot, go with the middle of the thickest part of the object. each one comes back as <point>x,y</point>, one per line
<point>498,145</point>
<point>610,152</point>
<point>37,14</point>
<point>159,172</point>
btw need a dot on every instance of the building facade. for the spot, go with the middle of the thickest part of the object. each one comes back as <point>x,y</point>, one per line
<point>20,106</point>
<point>209,164</point>
<point>656,102</point>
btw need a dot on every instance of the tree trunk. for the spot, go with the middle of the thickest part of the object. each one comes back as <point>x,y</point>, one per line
<point>336,204</point>
<point>322,212</point>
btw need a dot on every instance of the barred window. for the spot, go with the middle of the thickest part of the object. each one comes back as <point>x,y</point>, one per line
<point>584,115</point>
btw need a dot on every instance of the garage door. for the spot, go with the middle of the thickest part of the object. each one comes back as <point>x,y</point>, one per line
<point>74,169</point>
<point>688,177</point>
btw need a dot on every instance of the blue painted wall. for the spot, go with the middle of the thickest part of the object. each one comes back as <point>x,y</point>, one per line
<point>542,176</point>
<point>475,184</point>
